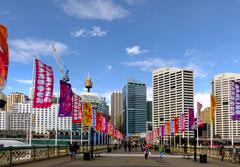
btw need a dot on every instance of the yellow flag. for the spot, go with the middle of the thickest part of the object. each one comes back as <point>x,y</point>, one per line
<point>213,100</point>
<point>87,114</point>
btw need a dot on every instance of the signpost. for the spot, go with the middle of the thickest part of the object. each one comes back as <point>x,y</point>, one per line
<point>194,127</point>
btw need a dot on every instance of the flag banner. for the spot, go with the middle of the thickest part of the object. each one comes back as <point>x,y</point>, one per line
<point>176,125</point>
<point>87,114</point>
<point>94,117</point>
<point>77,109</point>
<point>163,130</point>
<point>66,96</point>
<point>99,121</point>
<point>103,130</point>
<point>199,107</point>
<point>191,118</point>
<point>157,132</point>
<point>172,126</point>
<point>43,91</point>
<point>235,100</point>
<point>4,56</point>
<point>168,128</point>
<point>213,105</point>
<point>182,122</point>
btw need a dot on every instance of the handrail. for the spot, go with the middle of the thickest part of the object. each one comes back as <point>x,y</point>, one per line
<point>17,155</point>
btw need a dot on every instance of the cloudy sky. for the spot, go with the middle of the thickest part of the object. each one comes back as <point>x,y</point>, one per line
<point>119,40</point>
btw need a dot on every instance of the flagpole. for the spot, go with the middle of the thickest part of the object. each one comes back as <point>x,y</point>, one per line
<point>32,94</point>
<point>232,132</point>
<point>188,127</point>
<point>56,120</point>
<point>71,130</point>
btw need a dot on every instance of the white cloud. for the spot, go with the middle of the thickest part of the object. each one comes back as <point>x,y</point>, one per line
<point>197,69</point>
<point>97,31</point>
<point>151,64</point>
<point>24,81</point>
<point>135,50</point>
<point>203,98</point>
<point>93,9</point>
<point>149,93</point>
<point>79,33</point>
<point>108,68</point>
<point>94,32</point>
<point>23,50</point>
<point>236,61</point>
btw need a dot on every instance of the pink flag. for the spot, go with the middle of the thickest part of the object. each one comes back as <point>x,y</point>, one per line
<point>66,94</point>
<point>77,109</point>
<point>43,91</point>
<point>182,122</point>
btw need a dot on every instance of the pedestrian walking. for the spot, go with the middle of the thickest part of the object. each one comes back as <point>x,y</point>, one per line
<point>161,151</point>
<point>234,154</point>
<point>72,151</point>
<point>185,150</point>
<point>129,146</point>
<point>146,152</point>
<point>125,146</point>
<point>221,152</point>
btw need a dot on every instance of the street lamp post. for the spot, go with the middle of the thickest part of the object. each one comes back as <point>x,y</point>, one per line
<point>195,145</point>
<point>92,141</point>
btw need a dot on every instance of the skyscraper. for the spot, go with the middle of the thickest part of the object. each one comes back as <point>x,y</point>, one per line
<point>14,98</point>
<point>116,107</point>
<point>223,124</point>
<point>172,94</point>
<point>134,107</point>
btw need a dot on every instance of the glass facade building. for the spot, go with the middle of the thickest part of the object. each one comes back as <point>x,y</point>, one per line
<point>134,107</point>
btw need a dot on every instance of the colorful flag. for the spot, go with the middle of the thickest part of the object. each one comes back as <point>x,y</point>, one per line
<point>4,57</point>
<point>235,100</point>
<point>172,126</point>
<point>168,128</point>
<point>191,118</point>
<point>176,125</point>
<point>182,122</point>
<point>103,130</point>
<point>66,96</point>
<point>213,100</point>
<point>77,109</point>
<point>99,121</point>
<point>94,117</point>
<point>87,114</point>
<point>43,86</point>
<point>199,107</point>
<point>163,130</point>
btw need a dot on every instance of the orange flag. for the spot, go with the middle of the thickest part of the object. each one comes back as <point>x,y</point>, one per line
<point>213,100</point>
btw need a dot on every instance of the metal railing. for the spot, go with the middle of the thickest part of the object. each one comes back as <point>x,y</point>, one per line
<point>211,152</point>
<point>17,155</point>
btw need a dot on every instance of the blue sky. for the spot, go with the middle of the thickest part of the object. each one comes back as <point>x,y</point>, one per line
<point>118,40</point>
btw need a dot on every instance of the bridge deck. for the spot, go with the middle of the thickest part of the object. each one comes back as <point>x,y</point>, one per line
<point>122,159</point>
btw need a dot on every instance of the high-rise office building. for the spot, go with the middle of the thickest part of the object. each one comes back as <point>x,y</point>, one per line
<point>149,111</point>
<point>223,124</point>
<point>4,116</point>
<point>172,94</point>
<point>134,107</point>
<point>14,97</point>
<point>116,107</point>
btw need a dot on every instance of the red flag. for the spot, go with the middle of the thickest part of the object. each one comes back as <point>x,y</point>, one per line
<point>4,57</point>
<point>77,109</point>
<point>43,86</point>
<point>176,125</point>
<point>99,121</point>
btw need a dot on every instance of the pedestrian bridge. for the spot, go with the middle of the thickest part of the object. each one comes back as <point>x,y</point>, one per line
<point>59,156</point>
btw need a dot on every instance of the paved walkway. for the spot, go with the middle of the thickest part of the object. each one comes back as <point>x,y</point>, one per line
<point>122,159</point>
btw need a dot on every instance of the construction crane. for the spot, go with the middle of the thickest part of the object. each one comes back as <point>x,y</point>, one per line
<point>62,69</point>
